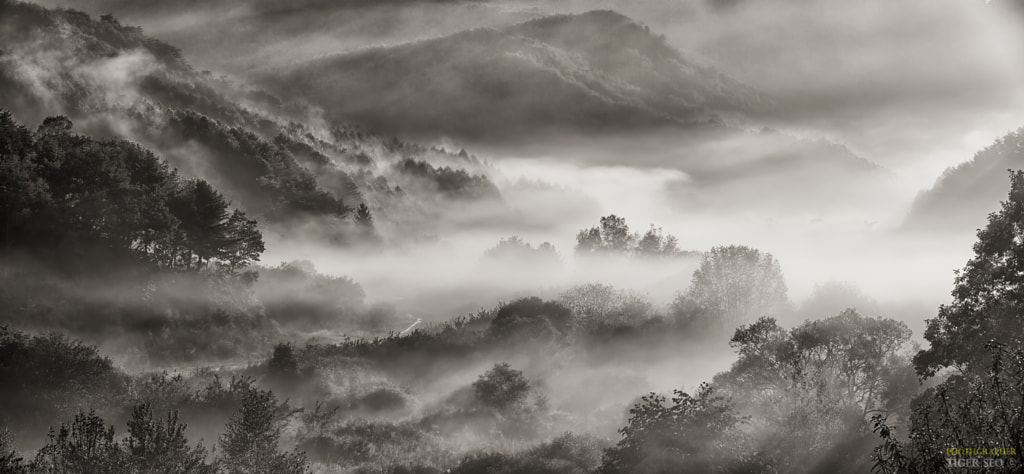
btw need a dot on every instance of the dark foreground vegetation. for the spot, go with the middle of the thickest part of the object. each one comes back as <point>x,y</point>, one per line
<point>103,241</point>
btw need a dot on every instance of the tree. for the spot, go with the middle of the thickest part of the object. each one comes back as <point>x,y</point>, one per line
<point>250,444</point>
<point>363,216</point>
<point>58,125</point>
<point>204,220</point>
<point>75,203</point>
<point>212,233</point>
<point>159,445</point>
<point>974,410</point>
<point>283,364</point>
<point>656,243</point>
<point>979,405</point>
<point>589,241</point>
<point>988,294</point>
<point>532,319</point>
<point>698,434</point>
<point>23,193</point>
<point>50,377</point>
<point>514,251</point>
<point>820,382</point>
<point>513,246</point>
<point>86,446</point>
<point>596,304</point>
<point>243,241</point>
<point>10,462</point>
<point>502,387</point>
<point>737,283</point>
<point>612,236</point>
<point>855,360</point>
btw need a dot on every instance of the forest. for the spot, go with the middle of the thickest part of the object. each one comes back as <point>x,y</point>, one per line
<point>511,237</point>
<point>852,392</point>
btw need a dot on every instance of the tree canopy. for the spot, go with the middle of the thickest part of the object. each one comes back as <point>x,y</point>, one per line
<point>72,199</point>
<point>687,433</point>
<point>737,283</point>
<point>613,236</point>
<point>988,294</point>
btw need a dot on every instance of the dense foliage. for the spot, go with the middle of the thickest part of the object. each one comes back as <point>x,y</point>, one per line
<point>988,296</point>
<point>614,237</point>
<point>698,433</point>
<point>76,201</point>
<point>979,405</point>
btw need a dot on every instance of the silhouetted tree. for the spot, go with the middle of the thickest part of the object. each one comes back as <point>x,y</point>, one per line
<point>980,404</point>
<point>212,233</point>
<point>988,296</point>
<point>85,446</point>
<point>243,241</point>
<point>973,410</point>
<point>74,201</point>
<point>363,216</point>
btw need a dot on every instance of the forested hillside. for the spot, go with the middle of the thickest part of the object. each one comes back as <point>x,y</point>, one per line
<point>535,79</point>
<point>509,237</point>
<point>512,388</point>
<point>266,156</point>
<point>967,191</point>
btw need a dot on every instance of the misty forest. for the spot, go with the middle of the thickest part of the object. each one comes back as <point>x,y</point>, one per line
<point>511,236</point>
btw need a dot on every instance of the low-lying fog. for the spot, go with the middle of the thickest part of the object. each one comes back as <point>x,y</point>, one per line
<point>818,236</point>
<point>918,87</point>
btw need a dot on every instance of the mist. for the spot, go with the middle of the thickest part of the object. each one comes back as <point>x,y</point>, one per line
<point>560,236</point>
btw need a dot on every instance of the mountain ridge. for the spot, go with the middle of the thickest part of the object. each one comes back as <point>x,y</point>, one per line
<point>540,77</point>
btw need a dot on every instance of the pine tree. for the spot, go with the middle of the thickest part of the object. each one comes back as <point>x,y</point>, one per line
<point>363,216</point>
<point>251,443</point>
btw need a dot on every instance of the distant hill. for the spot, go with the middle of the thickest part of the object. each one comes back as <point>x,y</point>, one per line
<point>966,193</point>
<point>596,72</point>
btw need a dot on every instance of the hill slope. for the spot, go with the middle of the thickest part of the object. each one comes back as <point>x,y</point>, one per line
<point>966,193</point>
<point>114,81</point>
<point>596,72</point>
